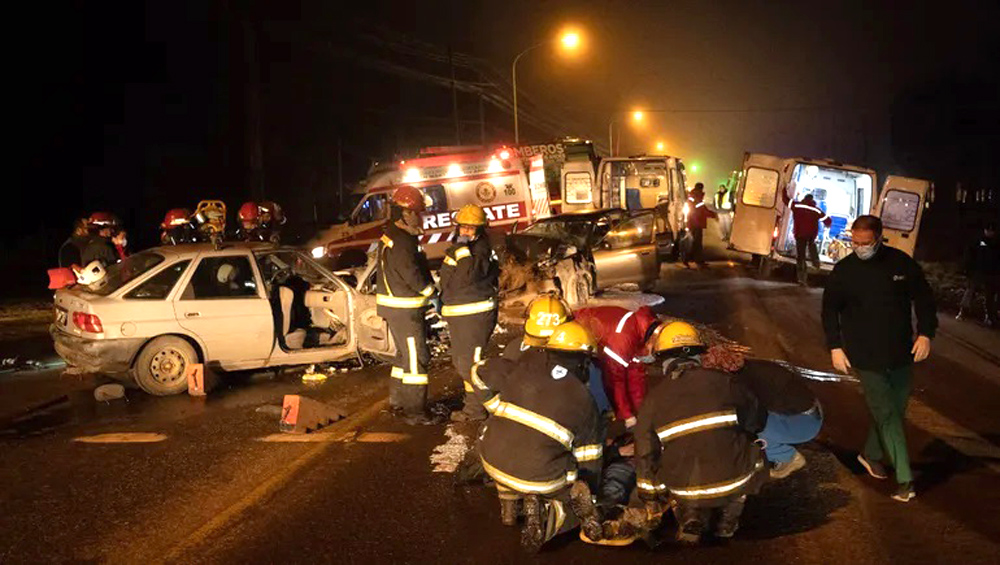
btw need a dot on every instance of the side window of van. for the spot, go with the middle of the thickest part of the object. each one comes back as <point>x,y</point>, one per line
<point>761,187</point>
<point>435,198</point>
<point>374,208</point>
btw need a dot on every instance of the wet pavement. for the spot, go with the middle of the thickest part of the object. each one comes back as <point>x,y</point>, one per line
<point>212,491</point>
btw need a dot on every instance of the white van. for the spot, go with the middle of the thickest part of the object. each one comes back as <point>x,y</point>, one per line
<point>509,190</point>
<point>762,223</point>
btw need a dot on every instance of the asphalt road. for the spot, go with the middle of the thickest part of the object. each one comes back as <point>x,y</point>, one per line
<point>214,489</point>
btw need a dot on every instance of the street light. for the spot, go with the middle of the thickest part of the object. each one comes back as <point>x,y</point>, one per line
<point>660,146</point>
<point>637,116</point>
<point>570,41</point>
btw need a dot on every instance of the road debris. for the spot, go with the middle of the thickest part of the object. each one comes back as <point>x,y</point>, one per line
<point>313,376</point>
<point>108,392</point>
<point>300,415</point>
<point>122,437</point>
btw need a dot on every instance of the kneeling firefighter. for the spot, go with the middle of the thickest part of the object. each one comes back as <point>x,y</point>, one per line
<point>694,441</point>
<point>545,438</point>
<point>403,287</point>
<point>469,286</point>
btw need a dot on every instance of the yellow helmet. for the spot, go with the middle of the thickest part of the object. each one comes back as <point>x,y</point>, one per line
<point>572,336</point>
<point>545,313</point>
<point>471,215</point>
<point>676,335</point>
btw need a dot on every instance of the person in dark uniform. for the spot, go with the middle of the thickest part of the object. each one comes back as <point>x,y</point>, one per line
<point>867,318</point>
<point>544,439</point>
<point>103,227</point>
<point>403,287</point>
<point>694,441</point>
<point>697,221</point>
<point>469,286</point>
<point>71,251</point>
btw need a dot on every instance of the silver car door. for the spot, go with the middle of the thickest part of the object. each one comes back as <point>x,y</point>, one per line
<point>627,254</point>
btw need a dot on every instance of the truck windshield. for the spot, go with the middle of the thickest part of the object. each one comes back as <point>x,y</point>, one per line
<point>123,272</point>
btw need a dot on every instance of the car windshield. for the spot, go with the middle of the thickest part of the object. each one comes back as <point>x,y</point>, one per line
<point>122,273</point>
<point>575,232</point>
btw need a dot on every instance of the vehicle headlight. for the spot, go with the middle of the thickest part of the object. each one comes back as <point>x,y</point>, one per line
<point>318,252</point>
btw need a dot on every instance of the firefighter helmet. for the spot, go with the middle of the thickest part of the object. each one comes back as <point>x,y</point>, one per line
<point>571,336</point>
<point>103,220</point>
<point>249,212</point>
<point>272,213</point>
<point>676,335</point>
<point>544,314</point>
<point>176,217</point>
<point>409,198</point>
<point>471,215</point>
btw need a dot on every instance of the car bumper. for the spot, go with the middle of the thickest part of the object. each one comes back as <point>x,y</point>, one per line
<point>95,355</point>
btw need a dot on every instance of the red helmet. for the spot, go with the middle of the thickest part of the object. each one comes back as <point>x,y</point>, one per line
<point>409,198</point>
<point>176,217</point>
<point>249,212</point>
<point>103,220</point>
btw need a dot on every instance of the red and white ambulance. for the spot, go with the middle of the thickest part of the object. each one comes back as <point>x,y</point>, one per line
<point>510,190</point>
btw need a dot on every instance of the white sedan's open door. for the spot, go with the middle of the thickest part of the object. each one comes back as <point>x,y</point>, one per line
<point>758,203</point>
<point>901,207</point>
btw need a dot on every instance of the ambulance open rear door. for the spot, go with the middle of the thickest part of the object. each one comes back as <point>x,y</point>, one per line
<point>758,203</point>
<point>901,207</point>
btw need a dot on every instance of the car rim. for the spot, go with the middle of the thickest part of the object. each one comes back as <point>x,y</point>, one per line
<point>167,366</point>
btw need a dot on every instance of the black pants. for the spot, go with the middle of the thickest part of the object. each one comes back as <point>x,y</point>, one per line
<point>803,244</point>
<point>470,335</point>
<point>697,251</point>
<point>408,385</point>
<point>696,518</point>
<point>990,285</point>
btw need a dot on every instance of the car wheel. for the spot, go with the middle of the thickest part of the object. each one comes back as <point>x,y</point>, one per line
<point>161,367</point>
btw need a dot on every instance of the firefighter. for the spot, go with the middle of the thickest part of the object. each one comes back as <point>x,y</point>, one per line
<point>249,228</point>
<point>271,220</point>
<point>176,227</point>
<point>403,289</point>
<point>544,314</point>
<point>694,441</point>
<point>621,343</point>
<point>806,217</point>
<point>71,251</point>
<point>103,227</point>
<point>697,221</point>
<point>469,285</point>
<point>544,440</point>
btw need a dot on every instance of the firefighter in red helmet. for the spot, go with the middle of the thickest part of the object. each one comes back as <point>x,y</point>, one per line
<point>176,227</point>
<point>403,289</point>
<point>249,228</point>
<point>103,227</point>
<point>271,220</point>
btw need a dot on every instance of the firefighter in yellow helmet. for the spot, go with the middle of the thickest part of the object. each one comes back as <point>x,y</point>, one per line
<point>694,440</point>
<point>403,288</point>
<point>469,297</point>
<point>544,440</point>
<point>544,314</point>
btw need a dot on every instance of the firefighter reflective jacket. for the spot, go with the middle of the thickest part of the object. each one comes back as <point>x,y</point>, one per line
<point>694,439</point>
<point>544,429</point>
<point>403,279</point>
<point>469,278</point>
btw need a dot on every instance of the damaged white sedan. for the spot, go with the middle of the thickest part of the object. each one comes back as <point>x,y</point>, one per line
<point>235,307</point>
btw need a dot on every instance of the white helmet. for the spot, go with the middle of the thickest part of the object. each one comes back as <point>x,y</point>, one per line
<point>92,273</point>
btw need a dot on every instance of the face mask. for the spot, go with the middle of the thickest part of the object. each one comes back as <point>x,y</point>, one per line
<point>646,360</point>
<point>463,239</point>
<point>866,252</point>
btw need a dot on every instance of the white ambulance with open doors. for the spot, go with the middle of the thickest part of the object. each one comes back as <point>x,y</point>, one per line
<point>510,191</point>
<point>762,223</point>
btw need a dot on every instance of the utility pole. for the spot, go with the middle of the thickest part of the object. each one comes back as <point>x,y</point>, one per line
<point>454,99</point>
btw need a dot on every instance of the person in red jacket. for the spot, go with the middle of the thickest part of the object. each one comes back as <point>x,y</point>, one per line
<point>697,221</point>
<point>621,337</point>
<point>806,217</point>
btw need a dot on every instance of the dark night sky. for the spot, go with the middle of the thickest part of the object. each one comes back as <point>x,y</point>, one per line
<point>138,107</point>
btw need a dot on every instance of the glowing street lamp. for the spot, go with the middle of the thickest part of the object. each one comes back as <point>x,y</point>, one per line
<point>660,146</point>
<point>569,40</point>
<point>637,115</point>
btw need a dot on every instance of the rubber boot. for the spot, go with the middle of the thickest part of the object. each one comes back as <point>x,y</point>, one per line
<point>533,532</point>
<point>508,511</point>
<point>691,523</point>
<point>729,518</point>
<point>582,503</point>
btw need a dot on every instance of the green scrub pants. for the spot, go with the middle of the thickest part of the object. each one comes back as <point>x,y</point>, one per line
<point>887,392</point>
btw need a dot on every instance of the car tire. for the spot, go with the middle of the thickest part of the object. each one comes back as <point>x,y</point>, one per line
<point>161,367</point>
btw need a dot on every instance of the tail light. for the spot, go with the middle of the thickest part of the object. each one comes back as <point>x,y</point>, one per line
<point>775,234</point>
<point>89,323</point>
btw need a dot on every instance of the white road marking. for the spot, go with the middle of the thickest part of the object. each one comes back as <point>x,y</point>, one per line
<point>122,437</point>
<point>449,454</point>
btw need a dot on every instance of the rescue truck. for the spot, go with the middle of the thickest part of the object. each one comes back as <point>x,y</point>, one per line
<point>511,192</point>
<point>762,223</point>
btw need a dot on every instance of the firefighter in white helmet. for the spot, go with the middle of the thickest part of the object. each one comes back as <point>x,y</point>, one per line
<point>403,289</point>
<point>469,287</point>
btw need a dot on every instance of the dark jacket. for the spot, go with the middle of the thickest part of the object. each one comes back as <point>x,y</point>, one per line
<point>544,429</point>
<point>99,249</point>
<point>694,439</point>
<point>403,280</point>
<point>71,251</point>
<point>469,278</point>
<point>806,218</point>
<point>982,257</point>
<point>775,387</point>
<point>867,304</point>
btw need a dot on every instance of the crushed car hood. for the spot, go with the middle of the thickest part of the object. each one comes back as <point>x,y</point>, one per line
<point>524,247</point>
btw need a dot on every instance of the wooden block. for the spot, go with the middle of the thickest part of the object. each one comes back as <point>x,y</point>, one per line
<point>300,415</point>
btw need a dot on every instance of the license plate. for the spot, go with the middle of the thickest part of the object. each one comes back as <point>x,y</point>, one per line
<point>61,316</point>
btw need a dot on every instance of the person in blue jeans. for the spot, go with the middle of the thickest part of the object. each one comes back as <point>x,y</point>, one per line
<point>794,415</point>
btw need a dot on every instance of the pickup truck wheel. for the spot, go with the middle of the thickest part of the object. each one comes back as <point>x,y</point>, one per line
<point>161,367</point>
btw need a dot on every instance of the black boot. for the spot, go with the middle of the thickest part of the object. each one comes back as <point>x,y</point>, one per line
<point>729,518</point>
<point>691,524</point>
<point>533,532</point>
<point>582,503</point>
<point>508,511</point>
